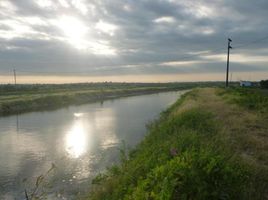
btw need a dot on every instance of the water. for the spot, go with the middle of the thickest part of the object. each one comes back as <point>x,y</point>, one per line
<point>80,140</point>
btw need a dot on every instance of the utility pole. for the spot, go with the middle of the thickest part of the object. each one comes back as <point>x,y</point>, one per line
<point>15,78</point>
<point>227,69</point>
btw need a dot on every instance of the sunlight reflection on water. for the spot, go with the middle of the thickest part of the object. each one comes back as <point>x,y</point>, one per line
<point>76,140</point>
<point>81,140</point>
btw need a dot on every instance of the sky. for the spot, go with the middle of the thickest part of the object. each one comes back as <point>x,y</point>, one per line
<point>57,41</point>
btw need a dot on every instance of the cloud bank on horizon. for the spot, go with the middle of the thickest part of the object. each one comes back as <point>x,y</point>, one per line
<point>126,37</point>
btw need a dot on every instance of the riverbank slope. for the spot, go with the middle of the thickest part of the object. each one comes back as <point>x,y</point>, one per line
<point>211,144</point>
<point>16,99</point>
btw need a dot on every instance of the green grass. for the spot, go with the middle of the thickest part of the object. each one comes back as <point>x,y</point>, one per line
<point>189,153</point>
<point>26,98</point>
<point>250,98</point>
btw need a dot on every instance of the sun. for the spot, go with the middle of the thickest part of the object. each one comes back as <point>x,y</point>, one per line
<point>74,30</point>
<point>78,35</point>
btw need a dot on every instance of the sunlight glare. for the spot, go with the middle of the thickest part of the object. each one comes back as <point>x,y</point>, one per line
<point>77,34</point>
<point>106,28</point>
<point>78,114</point>
<point>44,3</point>
<point>74,30</point>
<point>76,140</point>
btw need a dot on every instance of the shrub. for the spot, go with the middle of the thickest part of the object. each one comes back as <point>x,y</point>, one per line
<point>264,84</point>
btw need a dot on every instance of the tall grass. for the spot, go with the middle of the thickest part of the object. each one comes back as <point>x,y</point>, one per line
<point>250,98</point>
<point>182,157</point>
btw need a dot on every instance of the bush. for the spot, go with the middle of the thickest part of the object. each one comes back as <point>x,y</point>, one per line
<point>264,84</point>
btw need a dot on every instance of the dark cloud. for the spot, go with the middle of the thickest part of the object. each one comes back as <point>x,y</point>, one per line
<point>141,35</point>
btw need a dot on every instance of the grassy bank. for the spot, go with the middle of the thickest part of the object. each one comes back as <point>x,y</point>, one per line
<point>25,98</point>
<point>211,144</point>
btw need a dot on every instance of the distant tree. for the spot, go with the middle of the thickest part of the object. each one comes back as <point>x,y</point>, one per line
<point>264,83</point>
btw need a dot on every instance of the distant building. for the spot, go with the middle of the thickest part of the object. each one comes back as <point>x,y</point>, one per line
<point>245,84</point>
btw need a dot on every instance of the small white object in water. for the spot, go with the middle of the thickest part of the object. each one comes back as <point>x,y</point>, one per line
<point>78,114</point>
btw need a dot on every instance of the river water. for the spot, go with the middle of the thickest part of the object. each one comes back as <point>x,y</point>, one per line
<point>80,141</point>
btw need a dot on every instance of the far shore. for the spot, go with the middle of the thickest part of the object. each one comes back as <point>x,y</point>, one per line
<point>28,98</point>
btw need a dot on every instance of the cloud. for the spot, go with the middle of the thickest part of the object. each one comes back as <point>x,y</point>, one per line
<point>102,37</point>
<point>166,19</point>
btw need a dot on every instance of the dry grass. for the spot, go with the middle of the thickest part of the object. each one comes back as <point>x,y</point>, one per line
<point>247,131</point>
<point>244,131</point>
<point>202,121</point>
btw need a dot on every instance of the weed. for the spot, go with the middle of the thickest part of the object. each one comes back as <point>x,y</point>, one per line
<point>197,171</point>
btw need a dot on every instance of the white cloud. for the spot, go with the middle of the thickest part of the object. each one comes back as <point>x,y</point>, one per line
<point>166,19</point>
<point>78,34</point>
<point>199,9</point>
<point>236,57</point>
<point>207,30</point>
<point>180,63</point>
<point>7,6</point>
<point>127,8</point>
<point>74,31</point>
<point>106,27</point>
<point>33,21</point>
<point>146,31</point>
<point>17,29</point>
<point>44,3</point>
<point>64,3</point>
<point>80,5</point>
<point>102,48</point>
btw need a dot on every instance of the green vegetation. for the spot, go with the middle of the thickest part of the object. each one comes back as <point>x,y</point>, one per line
<point>25,98</point>
<point>249,98</point>
<point>264,84</point>
<point>211,144</point>
<point>38,192</point>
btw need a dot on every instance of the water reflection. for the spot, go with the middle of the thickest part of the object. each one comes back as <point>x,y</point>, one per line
<point>76,139</point>
<point>81,140</point>
<point>17,122</point>
<point>78,114</point>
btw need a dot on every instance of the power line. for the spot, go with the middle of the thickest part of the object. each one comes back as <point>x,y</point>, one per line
<point>251,42</point>
<point>221,49</point>
<point>179,59</point>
